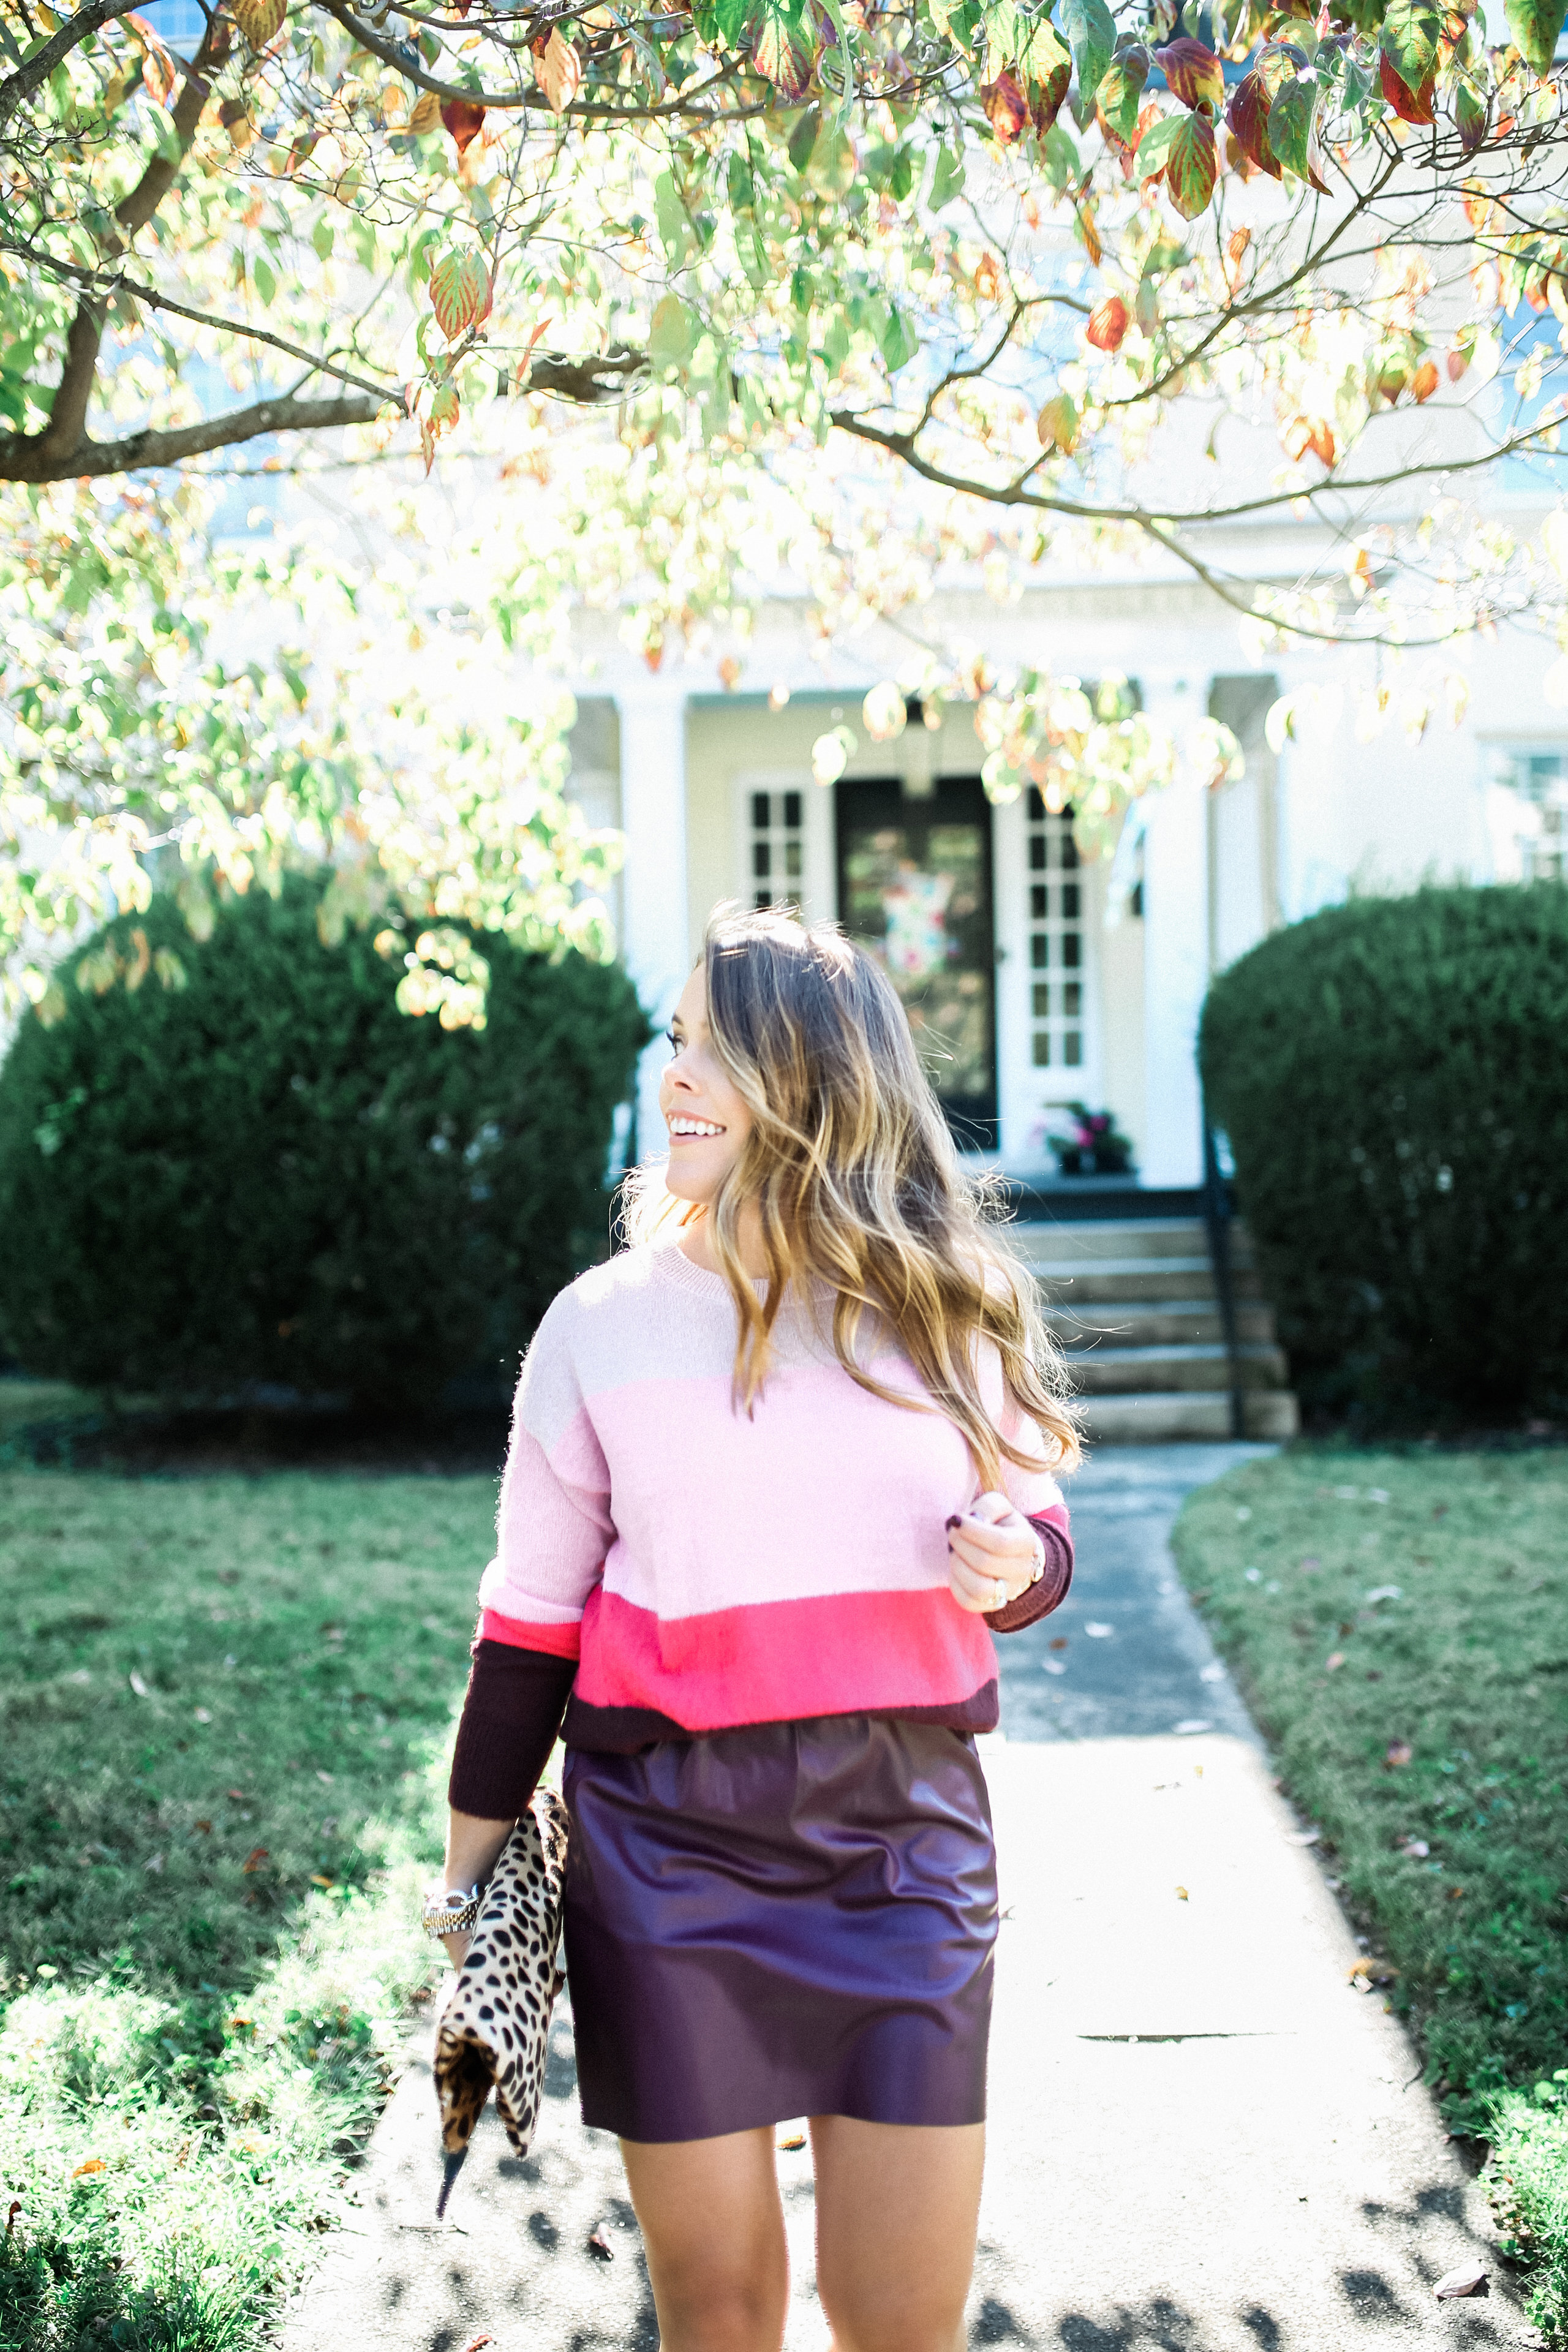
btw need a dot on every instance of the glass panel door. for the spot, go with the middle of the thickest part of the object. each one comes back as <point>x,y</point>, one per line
<point>914,888</point>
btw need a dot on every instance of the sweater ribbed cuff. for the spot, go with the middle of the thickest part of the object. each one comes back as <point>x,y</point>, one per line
<point>511,1717</point>
<point>1037,1601</point>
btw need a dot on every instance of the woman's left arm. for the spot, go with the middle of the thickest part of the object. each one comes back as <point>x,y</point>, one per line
<point>1010,1569</point>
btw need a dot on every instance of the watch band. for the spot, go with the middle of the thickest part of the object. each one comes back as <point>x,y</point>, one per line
<point>449,1911</point>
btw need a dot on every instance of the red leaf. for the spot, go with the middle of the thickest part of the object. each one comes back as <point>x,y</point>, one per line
<point>1191,164</point>
<point>460,292</point>
<point>783,55</point>
<point>1425,380</point>
<point>1193,74</point>
<point>1247,115</point>
<point>463,118</point>
<point>1458,363</point>
<point>1006,108</point>
<point>1108,324</point>
<point>255,1858</point>
<point>1410,105</point>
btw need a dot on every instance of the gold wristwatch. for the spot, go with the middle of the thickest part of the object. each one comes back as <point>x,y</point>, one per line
<point>451,1910</point>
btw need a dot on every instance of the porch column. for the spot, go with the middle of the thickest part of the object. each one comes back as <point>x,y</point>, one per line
<point>1175,951</point>
<point>654,934</point>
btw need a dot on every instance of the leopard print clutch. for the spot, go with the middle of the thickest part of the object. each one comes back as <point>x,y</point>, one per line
<point>495,2029</point>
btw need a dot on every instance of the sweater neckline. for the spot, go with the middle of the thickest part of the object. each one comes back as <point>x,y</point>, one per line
<point>693,1276</point>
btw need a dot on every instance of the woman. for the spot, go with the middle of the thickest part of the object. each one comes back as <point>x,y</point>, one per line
<point>776,1475</point>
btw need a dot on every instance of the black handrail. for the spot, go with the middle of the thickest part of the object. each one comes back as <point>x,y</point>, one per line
<point>1218,1215</point>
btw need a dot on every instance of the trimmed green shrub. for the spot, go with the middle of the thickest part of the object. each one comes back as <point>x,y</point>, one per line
<point>272,1177</point>
<point>1392,1075</point>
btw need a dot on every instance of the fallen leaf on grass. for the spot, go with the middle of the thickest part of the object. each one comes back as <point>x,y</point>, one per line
<point>1417,1848</point>
<point>1465,2280</point>
<point>1181,1895</point>
<point>93,2164</point>
<point>792,2146</point>
<point>325,1777</point>
<point>154,1862</point>
<point>479,2341</point>
<point>137,1684</point>
<point>1366,1972</point>
<point>255,1858</point>
<point>1335,1661</point>
<point>206,1827</point>
<point>600,2247</point>
<point>1397,1752</point>
<point>203,1714</point>
<point>238,1796</point>
<point>317,1880</point>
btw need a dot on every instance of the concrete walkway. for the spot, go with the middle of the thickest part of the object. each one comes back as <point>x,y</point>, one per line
<point>1202,2139</point>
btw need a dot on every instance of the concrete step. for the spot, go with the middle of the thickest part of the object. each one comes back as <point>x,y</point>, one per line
<point>1142,1323</point>
<point>1076,1283</point>
<point>1161,1417</point>
<point>1121,1372</point>
<point>1110,1237</point>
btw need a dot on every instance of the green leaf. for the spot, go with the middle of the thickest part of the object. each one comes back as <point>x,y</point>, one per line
<point>803,138</point>
<point>730,20</point>
<point>1410,30</point>
<point>1121,92</point>
<point>1091,36</point>
<point>742,189</point>
<point>674,228</point>
<point>947,179</point>
<point>265,283</point>
<point>669,335</point>
<point>1535,25</point>
<point>1061,159</point>
<point>898,342</point>
<point>322,239</point>
<point>1290,119</point>
<point>834,164</point>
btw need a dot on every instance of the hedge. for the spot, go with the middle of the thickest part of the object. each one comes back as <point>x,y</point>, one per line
<point>270,1176</point>
<point>1392,1075</point>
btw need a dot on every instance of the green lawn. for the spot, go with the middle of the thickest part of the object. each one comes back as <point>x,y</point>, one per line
<point>224,1709</point>
<point>1398,1623</point>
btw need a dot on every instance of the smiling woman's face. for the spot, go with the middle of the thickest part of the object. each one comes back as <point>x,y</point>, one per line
<point>707,1121</point>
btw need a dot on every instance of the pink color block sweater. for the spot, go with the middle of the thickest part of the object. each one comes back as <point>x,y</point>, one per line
<point>708,1568</point>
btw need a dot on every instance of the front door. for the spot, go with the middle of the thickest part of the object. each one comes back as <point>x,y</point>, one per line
<point>914,888</point>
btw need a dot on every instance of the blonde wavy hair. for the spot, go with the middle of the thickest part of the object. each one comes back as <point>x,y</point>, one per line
<point>858,1189</point>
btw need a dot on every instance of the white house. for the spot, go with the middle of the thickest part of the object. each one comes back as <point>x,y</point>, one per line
<point>1045,979</point>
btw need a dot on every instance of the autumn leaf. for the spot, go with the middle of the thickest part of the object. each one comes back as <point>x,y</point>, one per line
<point>1411,29</point>
<point>1535,26</point>
<point>460,292</point>
<point>1057,425</point>
<point>1006,108</point>
<point>1424,384</point>
<point>92,2164</point>
<point>258,20</point>
<point>1121,93</point>
<point>1091,33</point>
<point>427,114</point>
<point>1410,105</point>
<point>254,1859</point>
<point>559,72</point>
<point>463,118</point>
<point>1237,245</point>
<point>1044,67</point>
<point>783,51</point>
<point>1182,147</point>
<point>1108,324</point>
<point>1247,115</point>
<point>1193,74</point>
<point>1290,121</point>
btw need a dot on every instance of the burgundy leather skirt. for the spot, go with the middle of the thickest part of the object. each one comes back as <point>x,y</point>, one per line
<point>791,1920</point>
